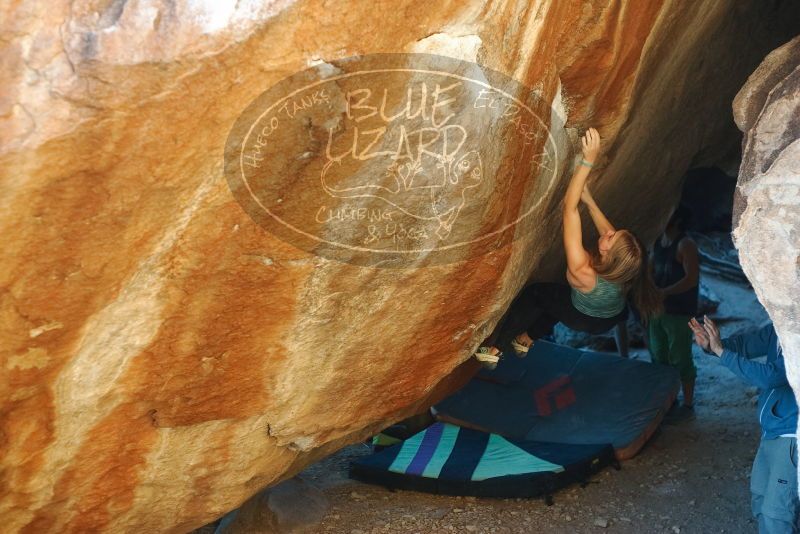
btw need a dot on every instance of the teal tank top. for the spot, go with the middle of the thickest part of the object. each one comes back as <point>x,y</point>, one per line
<point>604,300</point>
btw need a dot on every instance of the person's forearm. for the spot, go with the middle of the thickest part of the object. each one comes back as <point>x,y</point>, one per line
<point>602,224</point>
<point>762,375</point>
<point>751,344</point>
<point>684,284</point>
<point>575,188</point>
<point>590,148</point>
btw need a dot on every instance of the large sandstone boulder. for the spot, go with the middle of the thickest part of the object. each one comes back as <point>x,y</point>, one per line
<point>767,210</point>
<point>164,357</point>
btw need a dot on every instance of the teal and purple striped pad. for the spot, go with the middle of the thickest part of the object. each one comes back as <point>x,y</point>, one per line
<point>456,457</point>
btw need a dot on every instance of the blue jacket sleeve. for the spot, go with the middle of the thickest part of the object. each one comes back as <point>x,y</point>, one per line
<point>752,344</point>
<point>763,375</point>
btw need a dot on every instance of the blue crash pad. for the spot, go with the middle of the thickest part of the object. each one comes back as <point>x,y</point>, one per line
<point>564,395</point>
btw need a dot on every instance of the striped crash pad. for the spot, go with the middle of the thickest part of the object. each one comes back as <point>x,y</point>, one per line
<point>451,460</point>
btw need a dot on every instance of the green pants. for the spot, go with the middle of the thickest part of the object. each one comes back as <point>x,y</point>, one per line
<point>671,343</point>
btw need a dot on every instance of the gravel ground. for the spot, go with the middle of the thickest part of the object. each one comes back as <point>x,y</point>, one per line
<point>689,478</point>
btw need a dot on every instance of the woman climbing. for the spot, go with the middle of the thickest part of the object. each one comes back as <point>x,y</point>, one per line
<point>599,282</point>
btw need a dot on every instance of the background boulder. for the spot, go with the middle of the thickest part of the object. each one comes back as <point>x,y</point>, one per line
<point>767,209</point>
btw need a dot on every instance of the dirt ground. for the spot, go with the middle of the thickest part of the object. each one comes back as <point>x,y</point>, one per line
<point>691,478</point>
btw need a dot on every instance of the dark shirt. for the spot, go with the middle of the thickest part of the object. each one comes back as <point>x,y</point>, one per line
<point>667,270</point>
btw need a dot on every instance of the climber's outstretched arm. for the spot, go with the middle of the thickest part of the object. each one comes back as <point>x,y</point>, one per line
<point>602,224</point>
<point>579,270</point>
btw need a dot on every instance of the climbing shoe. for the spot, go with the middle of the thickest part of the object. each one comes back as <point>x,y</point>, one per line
<point>486,358</point>
<point>520,349</point>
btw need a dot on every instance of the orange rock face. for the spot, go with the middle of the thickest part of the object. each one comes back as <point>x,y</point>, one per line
<point>163,355</point>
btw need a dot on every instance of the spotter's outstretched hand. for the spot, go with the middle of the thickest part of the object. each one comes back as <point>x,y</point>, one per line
<point>706,335</point>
